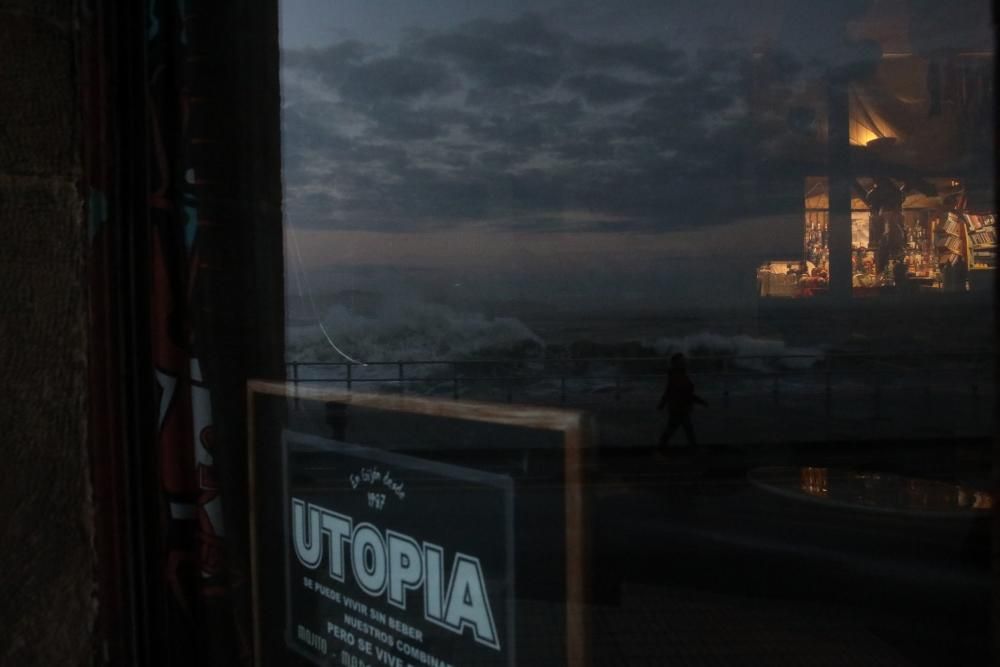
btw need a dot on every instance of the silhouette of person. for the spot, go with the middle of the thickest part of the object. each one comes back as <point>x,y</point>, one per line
<point>679,399</point>
<point>886,230</point>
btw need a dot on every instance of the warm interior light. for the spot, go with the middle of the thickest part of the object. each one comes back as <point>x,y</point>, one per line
<point>867,124</point>
<point>861,135</point>
<point>881,142</point>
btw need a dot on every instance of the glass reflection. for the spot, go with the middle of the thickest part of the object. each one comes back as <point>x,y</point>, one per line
<point>540,203</point>
<point>876,490</point>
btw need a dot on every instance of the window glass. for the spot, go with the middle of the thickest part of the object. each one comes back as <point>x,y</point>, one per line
<point>750,245</point>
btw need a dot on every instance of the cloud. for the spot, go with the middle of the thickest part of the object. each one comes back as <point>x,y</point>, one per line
<point>648,56</point>
<point>525,126</point>
<point>398,121</point>
<point>605,89</point>
<point>395,78</point>
<point>508,124</point>
<point>332,63</point>
<point>495,62</point>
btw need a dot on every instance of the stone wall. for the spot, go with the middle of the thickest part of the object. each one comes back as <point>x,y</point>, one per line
<point>47,564</point>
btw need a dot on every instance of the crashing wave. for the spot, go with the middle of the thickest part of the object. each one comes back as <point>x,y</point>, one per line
<point>375,329</point>
<point>746,351</point>
<point>409,331</point>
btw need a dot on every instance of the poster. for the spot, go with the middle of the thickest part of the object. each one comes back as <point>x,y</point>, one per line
<point>393,560</point>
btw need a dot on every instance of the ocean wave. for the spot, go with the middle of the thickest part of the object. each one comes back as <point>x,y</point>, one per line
<point>409,331</point>
<point>377,329</point>
<point>748,352</point>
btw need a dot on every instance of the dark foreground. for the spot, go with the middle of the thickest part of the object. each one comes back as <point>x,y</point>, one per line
<point>705,560</point>
<point>863,553</point>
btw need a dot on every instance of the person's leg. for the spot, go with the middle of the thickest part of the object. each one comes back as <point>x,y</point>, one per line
<point>689,430</point>
<point>672,425</point>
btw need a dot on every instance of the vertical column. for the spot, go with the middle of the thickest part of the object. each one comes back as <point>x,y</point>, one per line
<point>839,165</point>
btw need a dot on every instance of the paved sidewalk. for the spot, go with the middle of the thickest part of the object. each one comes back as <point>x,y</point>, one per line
<point>662,626</point>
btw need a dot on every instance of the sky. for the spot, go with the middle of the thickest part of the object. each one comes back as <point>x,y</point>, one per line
<point>582,152</point>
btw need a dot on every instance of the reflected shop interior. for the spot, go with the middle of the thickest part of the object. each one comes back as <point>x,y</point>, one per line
<point>642,333</point>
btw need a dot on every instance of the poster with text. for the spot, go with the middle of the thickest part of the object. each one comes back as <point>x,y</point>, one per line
<point>394,560</point>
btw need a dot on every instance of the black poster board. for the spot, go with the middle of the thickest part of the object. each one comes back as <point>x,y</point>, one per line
<point>404,531</point>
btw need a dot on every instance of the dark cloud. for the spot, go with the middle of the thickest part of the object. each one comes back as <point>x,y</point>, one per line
<point>305,140</point>
<point>489,98</point>
<point>648,56</point>
<point>601,144</point>
<point>528,126</point>
<point>395,78</point>
<point>511,131</point>
<point>604,88</point>
<point>398,121</point>
<point>514,124</point>
<point>301,130</point>
<point>333,63</point>
<point>529,31</point>
<point>681,115</point>
<point>310,209</point>
<point>519,53</point>
<point>497,64</point>
<point>499,160</point>
<point>817,36</point>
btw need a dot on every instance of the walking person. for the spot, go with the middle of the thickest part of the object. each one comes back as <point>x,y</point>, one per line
<point>679,399</point>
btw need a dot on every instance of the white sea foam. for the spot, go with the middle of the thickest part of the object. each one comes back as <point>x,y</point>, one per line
<point>412,329</point>
<point>749,352</point>
<point>407,330</point>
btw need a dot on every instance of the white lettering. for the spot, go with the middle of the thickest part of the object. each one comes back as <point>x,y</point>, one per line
<point>434,583</point>
<point>404,559</point>
<point>394,565</point>
<point>338,529</point>
<point>368,559</point>
<point>308,548</point>
<point>467,606</point>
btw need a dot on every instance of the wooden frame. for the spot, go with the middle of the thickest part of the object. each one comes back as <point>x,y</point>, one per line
<point>571,423</point>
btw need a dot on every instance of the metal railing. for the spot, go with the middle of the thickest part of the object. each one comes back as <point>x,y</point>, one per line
<point>724,374</point>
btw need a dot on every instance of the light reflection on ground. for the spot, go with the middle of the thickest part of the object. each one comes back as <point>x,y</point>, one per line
<point>873,490</point>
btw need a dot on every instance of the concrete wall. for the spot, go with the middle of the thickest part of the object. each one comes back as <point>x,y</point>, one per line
<point>46,555</point>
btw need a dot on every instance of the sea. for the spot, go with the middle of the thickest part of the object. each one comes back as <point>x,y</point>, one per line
<point>798,370</point>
